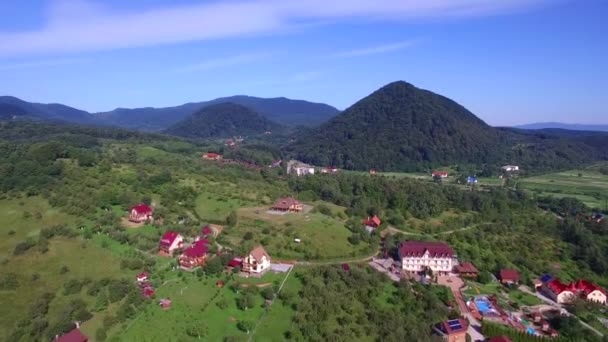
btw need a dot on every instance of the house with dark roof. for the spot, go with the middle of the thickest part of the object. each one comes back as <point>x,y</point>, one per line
<point>169,242</point>
<point>420,256</point>
<point>195,255</point>
<point>466,270</point>
<point>75,335</point>
<point>509,276</point>
<point>257,261</point>
<point>453,330</point>
<point>287,204</point>
<point>141,213</point>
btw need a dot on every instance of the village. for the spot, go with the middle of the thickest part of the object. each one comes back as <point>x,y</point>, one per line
<point>432,263</point>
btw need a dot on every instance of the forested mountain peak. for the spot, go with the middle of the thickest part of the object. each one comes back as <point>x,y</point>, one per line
<point>223,120</point>
<point>395,126</point>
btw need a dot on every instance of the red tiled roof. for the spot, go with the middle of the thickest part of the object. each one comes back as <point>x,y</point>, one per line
<point>509,275</point>
<point>168,238</point>
<point>558,287</point>
<point>143,275</point>
<point>198,249</point>
<point>439,173</point>
<point>373,222</point>
<point>142,209</point>
<point>206,230</point>
<point>418,248</point>
<point>211,155</point>
<point>466,267</point>
<point>259,252</point>
<point>285,203</point>
<point>148,292</point>
<point>73,336</point>
<point>236,262</point>
<point>499,339</point>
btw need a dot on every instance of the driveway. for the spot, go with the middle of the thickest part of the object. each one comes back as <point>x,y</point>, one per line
<point>456,284</point>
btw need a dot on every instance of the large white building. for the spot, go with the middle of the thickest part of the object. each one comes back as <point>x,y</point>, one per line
<point>417,256</point>
<point>257,262</point>
<point>299,168</point>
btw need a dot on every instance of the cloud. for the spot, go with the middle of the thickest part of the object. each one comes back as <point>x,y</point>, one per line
<point>374,50</point>
<point>42,63</point>
<point>77,25</point>
<point>224,62</point>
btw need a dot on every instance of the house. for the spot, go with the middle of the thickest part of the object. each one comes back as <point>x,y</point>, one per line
<point>206,231</point>
<point>372,172</point>
<point>195,255</point>
<point>141,213</point>
<point>329,169</point>
<point>565,293</point>
<point>148,292</point>
<point>418,256</point>
<point>142,277</point>
<point>509,276</point>
<point>372,223</point>
<point>257,262</point>
<point>345,267</point>
<point>299,169</point>
<point>453,330</point>
<point>440,174</point>
<point>471,180</point>
<point>467,270</point>
<point>275,163</point>
<point>169,242</point>
<point>230,143</point>
<point>212,156</point>
<point>235,262</point>
<point>75,335</point>
<point>499,339</point>
<point>287,204</point>
<point>510,168</point>
<point>165,303</point>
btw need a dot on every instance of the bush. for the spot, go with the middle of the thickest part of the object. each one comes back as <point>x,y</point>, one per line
<point>248,236</point>
<point>64,269</point>
<point>222,303</point>
<point>268,293</point>
<point>245,326</point>
<point>8,281</point>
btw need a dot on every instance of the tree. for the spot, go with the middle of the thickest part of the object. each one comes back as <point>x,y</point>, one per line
<point>222,303</point>
<point>245,326</point>
<point>268,293</point>
<point>214,266</point>
<point>246,301</point>
<point>232,219</point>
<point>198,331</point>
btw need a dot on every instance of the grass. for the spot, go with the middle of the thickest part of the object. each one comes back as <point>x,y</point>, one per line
<point>216,206</point>
<point>590,187</point>
<point>322,237</point>
<point>523,298</point>
<point>194,303</point>
<point>492,288</point>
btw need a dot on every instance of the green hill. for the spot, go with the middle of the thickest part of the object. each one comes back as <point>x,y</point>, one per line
<point>403,128</point>
<point>223,120</point>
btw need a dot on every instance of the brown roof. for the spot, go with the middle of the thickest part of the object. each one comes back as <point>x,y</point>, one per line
<point>509,274</point>
<point>466,267</point>
<point>418,248</point>
<point>73,336</point>
<point>285,203</point>
<point>259,252</point>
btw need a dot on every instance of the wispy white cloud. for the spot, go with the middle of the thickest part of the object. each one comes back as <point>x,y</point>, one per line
<point>42,63</point>
<point>217,63</point>
<point>79,25</point>
<point>374,50</point>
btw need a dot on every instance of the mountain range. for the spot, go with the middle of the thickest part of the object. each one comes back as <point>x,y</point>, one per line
<point>282,110</point>
<point>223,120</point>
<point>559,125</point>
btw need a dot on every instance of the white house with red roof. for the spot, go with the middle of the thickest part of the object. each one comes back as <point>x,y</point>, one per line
<point>440,174</point>
<point>169,242</point>
<point>566,293</point>
<point>372,223</point>
<point>418,256</point>
<point>195,255</point>
<point>141,213</point>
<point>257,262</point>
<point>287,204</point>
<point>212,156</point>
<point>143,276</point>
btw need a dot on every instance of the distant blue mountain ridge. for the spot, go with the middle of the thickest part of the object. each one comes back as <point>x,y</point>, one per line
<point>559,125</point>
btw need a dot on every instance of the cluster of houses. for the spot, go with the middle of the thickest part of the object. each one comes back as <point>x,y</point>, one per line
<point>565,293</point>
<point>146,287</point>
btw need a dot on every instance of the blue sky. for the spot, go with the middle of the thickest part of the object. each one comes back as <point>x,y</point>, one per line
<point>508,61</point>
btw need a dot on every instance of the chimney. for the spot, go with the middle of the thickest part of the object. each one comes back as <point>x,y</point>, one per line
<point>77,325</point>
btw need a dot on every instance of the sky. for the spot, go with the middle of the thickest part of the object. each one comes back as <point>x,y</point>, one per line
<point>508,61</point>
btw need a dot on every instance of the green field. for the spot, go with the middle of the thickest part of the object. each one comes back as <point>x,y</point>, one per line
<point>322,237</point>
<point>588,186</point>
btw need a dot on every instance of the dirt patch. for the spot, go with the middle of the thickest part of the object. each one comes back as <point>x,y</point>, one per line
<point>128,224</point>
<point>232,319</point>
<point>262,285</point>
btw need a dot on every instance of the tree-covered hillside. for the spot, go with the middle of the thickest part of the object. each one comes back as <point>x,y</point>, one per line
<point>223,120</point>
<point>402,128</point>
